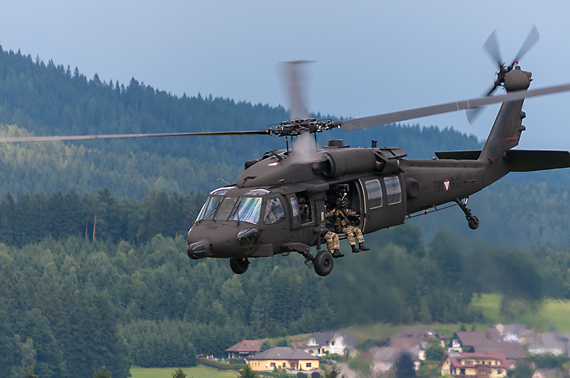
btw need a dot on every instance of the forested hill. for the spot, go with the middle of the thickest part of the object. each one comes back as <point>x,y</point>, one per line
<point>45,99</point>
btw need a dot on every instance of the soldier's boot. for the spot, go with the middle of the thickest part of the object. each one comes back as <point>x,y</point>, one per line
<point>354,249</point>
<point>362,247</point>
<point>336,254</point>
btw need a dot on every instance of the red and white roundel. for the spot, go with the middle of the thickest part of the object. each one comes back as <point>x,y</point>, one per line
<point>446,184</point>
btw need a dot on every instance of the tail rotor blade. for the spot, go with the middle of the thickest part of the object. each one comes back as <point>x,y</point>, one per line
<point>530,41</point>
<point>491,45</point>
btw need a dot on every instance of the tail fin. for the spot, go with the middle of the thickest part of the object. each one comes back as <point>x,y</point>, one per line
<point>506,131</point>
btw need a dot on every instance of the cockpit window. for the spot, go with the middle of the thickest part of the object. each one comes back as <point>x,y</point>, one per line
<point>221,191</point>
<point>257,192</point>
<point>274,212</point>
<point>209,208</point>
<point>226,208</point>
<point>247,210</point>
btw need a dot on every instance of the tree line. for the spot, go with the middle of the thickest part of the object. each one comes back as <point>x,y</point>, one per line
<point>47,99</point>
<point>31,219</point>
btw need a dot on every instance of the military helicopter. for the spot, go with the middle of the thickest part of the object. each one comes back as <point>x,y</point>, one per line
<point>277,205</point>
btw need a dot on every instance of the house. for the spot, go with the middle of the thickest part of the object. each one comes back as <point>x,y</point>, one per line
<point>513,332</point>
<point>322,343</point>
<point>486,342</point>
<point>420,335</point>
<point>549,342</point>
<point>492,365</point>
<point>244,349</point>
<point>285,357</point>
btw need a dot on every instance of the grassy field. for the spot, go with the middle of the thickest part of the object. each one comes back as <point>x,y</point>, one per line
<point>553,313</point>
<point>193,372</point>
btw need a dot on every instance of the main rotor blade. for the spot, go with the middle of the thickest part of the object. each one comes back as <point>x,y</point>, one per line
<point>120,136</point>
<point>530,41</point>
<point>293,81</point>
<point>382,119</point>
<point>491,45</point>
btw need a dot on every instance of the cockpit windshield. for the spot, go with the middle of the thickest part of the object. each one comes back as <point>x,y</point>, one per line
<point>247,210</point>
<point>209,208</point>
<point>243,209</point>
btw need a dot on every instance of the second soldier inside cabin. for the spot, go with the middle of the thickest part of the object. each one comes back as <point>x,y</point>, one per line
<point>345,225</point>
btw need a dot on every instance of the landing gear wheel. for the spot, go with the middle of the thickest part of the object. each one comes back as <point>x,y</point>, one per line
<point>473,222</point>
<point>239,265</point>
<point>323,263</point>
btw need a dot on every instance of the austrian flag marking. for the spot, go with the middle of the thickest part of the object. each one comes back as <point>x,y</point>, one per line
<point>446,184</point>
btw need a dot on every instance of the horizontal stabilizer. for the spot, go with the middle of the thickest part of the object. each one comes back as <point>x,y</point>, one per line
<point>459,155</point>
<point>536,160</point>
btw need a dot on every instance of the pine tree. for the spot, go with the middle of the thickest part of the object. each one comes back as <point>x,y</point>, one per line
<point>179,373</point>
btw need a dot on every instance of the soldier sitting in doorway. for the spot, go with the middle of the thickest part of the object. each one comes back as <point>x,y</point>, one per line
<point>345,224</point>
<point>331,237</point>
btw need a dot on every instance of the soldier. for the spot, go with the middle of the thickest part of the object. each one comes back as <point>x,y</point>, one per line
<point>331,238</point>
<point>346,226</point>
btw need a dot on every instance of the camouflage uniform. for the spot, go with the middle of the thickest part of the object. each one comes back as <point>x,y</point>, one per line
<point>332,241</point>
<point>331,238</point>
<point>347,228</point>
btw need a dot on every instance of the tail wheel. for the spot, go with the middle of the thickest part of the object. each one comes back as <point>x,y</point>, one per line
<point>473,222</point>
<point>239,265</point>
<point>323,263</point>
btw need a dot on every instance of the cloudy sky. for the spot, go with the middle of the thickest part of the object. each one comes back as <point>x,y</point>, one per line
<point>369,57</point>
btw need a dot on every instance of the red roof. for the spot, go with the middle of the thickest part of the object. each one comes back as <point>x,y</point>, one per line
<point>456,361</point>
<point>246,346</point>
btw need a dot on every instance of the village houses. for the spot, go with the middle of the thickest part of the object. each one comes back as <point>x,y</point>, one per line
<point>285,358</point>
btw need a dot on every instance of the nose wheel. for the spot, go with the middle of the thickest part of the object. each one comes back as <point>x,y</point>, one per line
<point>239,265</point>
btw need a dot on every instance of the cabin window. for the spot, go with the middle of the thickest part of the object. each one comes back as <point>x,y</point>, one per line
<point>308,364</point>
<point>272,364</point>
<point>274,212</point>
<point>247,210</point>
<point>295,208</point>
<point>393,190</point>
<point>305,207</point>
<point>374,192</point>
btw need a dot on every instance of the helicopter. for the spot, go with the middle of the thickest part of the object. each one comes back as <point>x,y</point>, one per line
<point>278,204</point>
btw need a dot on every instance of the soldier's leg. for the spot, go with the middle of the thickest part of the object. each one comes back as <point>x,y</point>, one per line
<point>350,235</point>
<point>330,242</point>
<point>360,238</point>
<point>334,244</point>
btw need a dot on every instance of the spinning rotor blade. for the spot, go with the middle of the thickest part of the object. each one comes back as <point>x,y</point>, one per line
<point>382,119</point>
<point>530,41</point>
<point>120,136</point>
<point>491,45</point>
<point>293,81</point>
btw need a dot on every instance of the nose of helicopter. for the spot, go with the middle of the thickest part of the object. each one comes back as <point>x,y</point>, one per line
<point>197,250</point>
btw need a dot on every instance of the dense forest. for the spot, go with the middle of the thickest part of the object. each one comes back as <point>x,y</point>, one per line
<point>93,266</point>
<point>149,305</point>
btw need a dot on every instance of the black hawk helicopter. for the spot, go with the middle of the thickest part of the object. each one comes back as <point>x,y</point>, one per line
<point>277,205</point>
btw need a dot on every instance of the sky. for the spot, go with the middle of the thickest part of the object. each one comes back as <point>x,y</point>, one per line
<point>368,57</point>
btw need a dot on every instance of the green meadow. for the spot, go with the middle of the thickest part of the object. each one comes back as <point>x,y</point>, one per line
<point>191,372</point>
